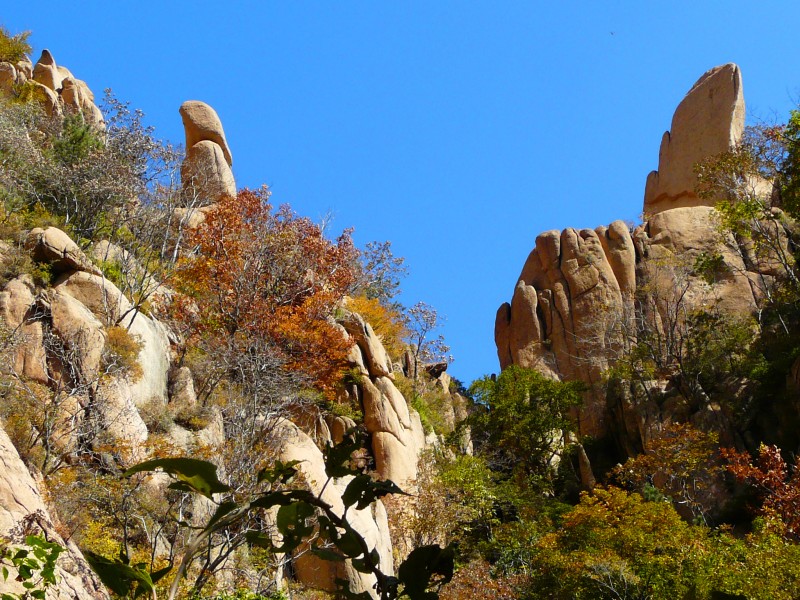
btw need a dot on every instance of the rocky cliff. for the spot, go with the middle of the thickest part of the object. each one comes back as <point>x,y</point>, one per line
<point>104,363</point>
<point>584,297</point>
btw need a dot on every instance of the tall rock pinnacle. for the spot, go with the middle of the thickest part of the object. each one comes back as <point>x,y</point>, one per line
<point>707,122</point>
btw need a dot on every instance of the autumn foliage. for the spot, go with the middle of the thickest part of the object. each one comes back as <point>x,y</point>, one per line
<point>260,276</point>
<point>777,484</point>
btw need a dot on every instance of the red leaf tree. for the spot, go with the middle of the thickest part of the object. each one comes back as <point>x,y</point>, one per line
<point>259,277</point>
<point>777,484</point>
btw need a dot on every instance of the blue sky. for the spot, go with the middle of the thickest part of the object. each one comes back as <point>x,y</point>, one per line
<point>457,130</point>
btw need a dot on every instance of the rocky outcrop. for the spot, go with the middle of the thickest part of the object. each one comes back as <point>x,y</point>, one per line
<point>371,522</point>
<point>206,171</point>
<point>52,85</point>
<point>19,312</point>
<point>582,296</point>
<point>396,432</point>
<point>110,306</point>
<point>200,123</point>
<point>709,121</point>
<point>53,246</point>
<point>23,511</point>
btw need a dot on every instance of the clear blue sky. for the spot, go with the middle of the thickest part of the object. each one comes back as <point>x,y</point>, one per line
<point>457,130</point>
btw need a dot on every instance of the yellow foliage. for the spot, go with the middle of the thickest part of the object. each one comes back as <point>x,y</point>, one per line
<point>122,352</point>
<point>386,322</point>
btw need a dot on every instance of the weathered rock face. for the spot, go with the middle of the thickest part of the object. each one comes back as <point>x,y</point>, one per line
<point>708,121</point>
<point>206,168</point>
<point>18,311</point>
<point>46,72</point>
<point>55,247</point>
<point>53,86</point>
<point>565,315</point>
<point>22,507</point>
<point>110,306</point>
<point>371,522</point>
<point>397,434</point>
<point>583,295</point>
<point>200,123</point>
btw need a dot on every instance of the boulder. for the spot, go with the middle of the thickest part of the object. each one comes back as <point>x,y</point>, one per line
<point>201,123</point>
<point>386,413</point>
<point>181,388</point>
<point>374,355</point>
<point>55,247</point>
<point>371,522</point>
<point>123,429</point>
<point>8,78</point>
<point>46,97</point>
<point>707,122</point>
<point>81,332</point>
<point>190,218</point>
<point>108,304</point>
<point>19,312</point>
<point>77,97</point>
<point>25,68</point>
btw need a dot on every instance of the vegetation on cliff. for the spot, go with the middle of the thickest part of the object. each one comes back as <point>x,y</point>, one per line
<point>261,311</point>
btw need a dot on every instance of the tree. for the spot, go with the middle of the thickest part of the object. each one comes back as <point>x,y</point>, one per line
<point>300,515</point>
<point>522,420</point>
<point>421,321</point>
<point>266,279</point>
<point>776,483</point>
<point>682,463</point>
<point>381,272</point>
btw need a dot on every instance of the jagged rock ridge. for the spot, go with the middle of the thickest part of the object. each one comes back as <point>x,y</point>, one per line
<point>574,310</point>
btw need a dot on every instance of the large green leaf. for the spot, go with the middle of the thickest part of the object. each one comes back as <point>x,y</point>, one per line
<point>363,491</point>
<point>425,567</point>
<point>338,457</point>
<point>292,522</point>
<point>280,472</point>
<point>193,475</point>
<point>119,577</point>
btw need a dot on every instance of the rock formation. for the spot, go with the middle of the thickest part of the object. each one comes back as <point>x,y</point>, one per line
<point>60,335</point>
<point>206,172</point>
<point>23,512</point>
<point>53,86</point>
<point>708,121</point>
<point>371,522</point>
<point>397,434</point>
<point>579,299</point>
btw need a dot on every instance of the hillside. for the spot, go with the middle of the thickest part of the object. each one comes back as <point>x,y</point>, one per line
<point>207,396</point>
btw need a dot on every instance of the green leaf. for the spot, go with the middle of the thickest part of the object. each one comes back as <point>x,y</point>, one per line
<point>193,475</point>
<point>292,523</point>
<point>157,576</point>
<point>222,510</point>
<point>338,456</point>
<point>280,472</point>
<point>262,540</point>
<point>117,576</point>
<point>363,491</point>
<point>349,542</point>
<point>424,567</point>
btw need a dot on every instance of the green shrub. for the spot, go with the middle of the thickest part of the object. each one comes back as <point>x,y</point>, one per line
<point>13,48</point>
<point>16,261</point>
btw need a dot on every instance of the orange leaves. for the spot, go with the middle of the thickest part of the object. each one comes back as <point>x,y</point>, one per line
<point>271,276</point>
<point>777,484</point>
